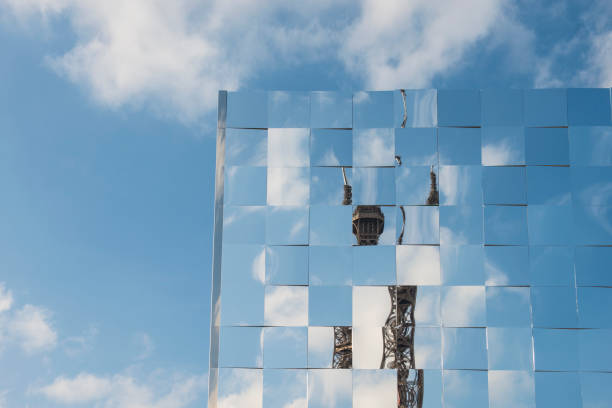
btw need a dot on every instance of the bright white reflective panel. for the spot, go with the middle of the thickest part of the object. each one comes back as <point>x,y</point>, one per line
<point>285,388</point>
<point>418,265</point>
<point>286,306</point>
<point>511,389</point>
<point>374,388</point>
<point>367,347</point>
<point>288,147</point>
<point>463,306</point>
<point>330,388</point>
<point>239,387</point>
<point>371,306</point>
<point>288,186</point>
<point>373,147</point>
<point>320,347</point>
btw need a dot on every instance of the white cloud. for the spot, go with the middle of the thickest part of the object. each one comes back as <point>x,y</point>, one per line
<point>146,345</point>
<point>375,388</point>
<point>418,265</point>
<point>76,345</point>
<point>123,391</point>
<point>6,298</point>
<point>286,306</point>
<point>258,268</point>
<point>31,328</point>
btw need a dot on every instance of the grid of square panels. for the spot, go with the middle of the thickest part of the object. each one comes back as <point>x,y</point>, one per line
<point>509,264</point>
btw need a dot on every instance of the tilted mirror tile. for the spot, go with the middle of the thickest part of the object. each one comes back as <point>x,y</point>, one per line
<point>548,185</point>
<point>289,147</point>
<point>546,146</point>
<point>427,314</point>
<point>465,389</point>
<point>464,348</point>
<point>461,225</point>
<point>288,109</point>
<point>240,386</point>
<point>590,145</point>
<point>375,388</point>
<point>509,348</point>
<point>504,185</point>
<point>498,312</point>
<point>463,306</point>
<point>592,306</point>
<point>331,225</point>
<point>285,347</point>
<point>246,147</point>
<point>245,185</point>
<point>244,225</point>
<point>324,385</point>
<point>502,107</point>
<point>288,185</point>
<point>592,225</point>
<point>506,265</point>
<point>327,184</point>
<point>558,389</point>
<point>459,146</point>
<point>596,389</point>
<point>320,347</point>
<point>591,186</point>
<point>373,109</point>
<point>372,307</point>
<point>373,186</point>
<point>462,265</point>
<point>247,109</point>
<point>330,306</point>
<point>588,107</point>
<point>460,185</point>
<point>284,388</point>
<point>545,107</point>
<point>550,224</point>
<point>373,265</point>
<point>368,347</point>
<point>418,265</point>
<point>594,346</point>
<point>330,265</point>
<point>554,307</point>
<point>241,347</point>
<point>459,108</point>
<point>415,108</point>
<point>509,389</point>
<point>428,348</point>
<point>555,349</point>
<point>331,109</point>
<point>373,147</point>
<point>417,146</point>
<point>592,266</point>
<point>287,225</point>
<point>287,265</point>
<point>331,147</point>
<point>416,185</point>
<point>505,225</point>
<point>551,266</point>
<point>418,225</point>
<point>503,145</point>
<point>286,306</point>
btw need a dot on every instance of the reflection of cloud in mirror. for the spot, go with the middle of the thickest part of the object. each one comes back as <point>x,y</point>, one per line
<point>510,389</point>
<point>298,228</point>
<point>361,97</point>
<point>448,236</point>
<point>320,346</point>
<point>329,388</point>
<point>255,151</point>
<point>463,305</point>
<point>427,347</point>
<point>329,158</point>
<point>375,388</point>
<point>286,305</point>
<point>367,347</point>
<point>423,108</point>
<point>418,265</point>
<point>601,152</point>
<point>422,225</point>
<point>258,268</point>
<point>288,186</point>
<point>374,147</point>
<point>297,403</point>
<point>499,153</point>
<point>369,186</point>
<point>371,306</point>
<point>241,388</point>
<point>428,310</point>
<point>494,274</point>
<point>455,183</point>
<point>288,147</point>
<point>598,196</point>
<point>237,213</point>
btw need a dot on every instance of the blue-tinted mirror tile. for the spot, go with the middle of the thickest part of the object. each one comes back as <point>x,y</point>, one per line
<point>463,306</point>
<point>233,382</point>
<point>330,265</point>
<point>460,225</point>
<point>373,109</point>
<point>546,146</point>
<point>548,185</point>
<point>284,347</point>
<point>595,350</point>
<point>550,225</point>
<point>418,265</point>
<point>588,106</point>
<point>464,348</point>
<point>373,265</point>
<point>505,225</point>
<point>331,147</point>
<point>247,109</point>
<point>509,348</point>
<point>331,225</point>
<point>596,389</point>
<point>503,145</point>
<point>245,185</point>
<point>558,389</point>
<point>506,265</point>
<point>288,109</point>
<point>373,147</point>
<point>551,266</point>
<point>593,266</point>
<point>459,108</point>
<point>246,147</point>
<point>287,265</point>
<point>240,347</point>
<point>545,107</point>
<point>416,146</point>
<point>288,185</point>
<point>413,184</point>
<point>415,108</point>
<point>459,145</point>
<point>594,306</point>
<point>287,225</point>
<point>324,385</point>
<point>331,109</point>
<point>498,312</point>
<point>556,350</point>
<point>327,185</point>
<point>462,265</point>
<point>554,307</point>
<point>592,225</point>
<point>502,107</point>
<point>504,185</point>
<point>330,306</point>
<point>465,389</point>
<point>590,145</point>
<point>460,185</point>
<point>510,389</point>
<point>422,225</point>
<point>373,186</point>
<point>591,186</point>
<point>284,388</point>
<point>244,224</point>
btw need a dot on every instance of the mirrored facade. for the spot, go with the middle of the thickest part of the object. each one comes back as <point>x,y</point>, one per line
<point>413,248</point>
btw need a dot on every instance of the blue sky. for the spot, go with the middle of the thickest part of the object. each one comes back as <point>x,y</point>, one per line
<point>107,117</point>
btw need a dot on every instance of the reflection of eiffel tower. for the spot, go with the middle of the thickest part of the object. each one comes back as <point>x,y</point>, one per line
<point>343,347</point>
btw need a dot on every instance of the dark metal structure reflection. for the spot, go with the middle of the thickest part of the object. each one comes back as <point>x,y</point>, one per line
<point>399,328</point>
